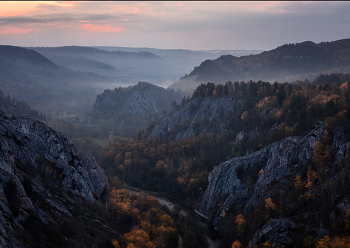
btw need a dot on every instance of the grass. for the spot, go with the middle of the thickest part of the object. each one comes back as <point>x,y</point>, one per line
<point>101,142</point>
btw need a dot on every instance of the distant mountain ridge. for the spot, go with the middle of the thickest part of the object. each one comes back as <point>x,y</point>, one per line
<point>19,56</point>
<point>29,76</point>
<point>279,63</point>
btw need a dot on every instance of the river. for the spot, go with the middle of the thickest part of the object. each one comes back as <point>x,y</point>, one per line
<point>170,203</point>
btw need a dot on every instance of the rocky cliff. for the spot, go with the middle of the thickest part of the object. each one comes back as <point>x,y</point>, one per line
<point>198,116</point>
<point>130,110</point>
<point>278,160</point>
<point>41,172</point>
<point>247,182</point>
<point>136,100</point>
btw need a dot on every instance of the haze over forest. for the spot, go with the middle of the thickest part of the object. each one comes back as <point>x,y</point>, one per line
<point>174,124</point>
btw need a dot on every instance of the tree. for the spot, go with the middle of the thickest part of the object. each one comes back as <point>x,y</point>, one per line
<point>241,223</point>
<point>311,177</point>
<point>115,243</point>
<point>269,204</point>
<point>318,154</point>
<point>324,242</point>
<point>236,244</point>
<point>297,183</point>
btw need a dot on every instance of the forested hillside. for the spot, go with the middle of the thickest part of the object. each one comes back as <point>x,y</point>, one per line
<point>20,108</point>
<point>300,60</point>
<point>261,115</point>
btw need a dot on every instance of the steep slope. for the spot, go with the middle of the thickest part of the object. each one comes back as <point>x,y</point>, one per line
<point>38,168</point>
<point>277,64</point>
<point>195,118</point>
<point>25,58</point>
<point>10,72</point>
<point>280,164</point>
<point>281,160</point>
<point>135,100</point>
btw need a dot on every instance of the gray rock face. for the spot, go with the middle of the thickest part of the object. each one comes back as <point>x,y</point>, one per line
<point>277,232</point>
<point>26,140</point>
<point>23,139</point>
<point>279,161</point>
<point>143,100</point>
<point>196,117</point>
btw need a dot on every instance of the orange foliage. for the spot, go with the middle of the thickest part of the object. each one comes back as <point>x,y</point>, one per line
<point>236,244</point>
<point>269,204</point>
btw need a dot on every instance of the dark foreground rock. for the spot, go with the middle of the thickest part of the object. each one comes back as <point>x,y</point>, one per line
<point>43,179</point>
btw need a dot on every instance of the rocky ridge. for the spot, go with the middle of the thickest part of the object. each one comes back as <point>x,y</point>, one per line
<point>196,117</point>
<point>137,100</point>
<point>277,164</point>
<point>33,159</point>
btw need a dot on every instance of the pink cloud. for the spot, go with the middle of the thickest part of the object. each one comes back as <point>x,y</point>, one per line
<point>93,28</point>
<point>16,30</point>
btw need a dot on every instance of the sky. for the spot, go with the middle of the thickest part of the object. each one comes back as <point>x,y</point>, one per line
<point>195,25</point>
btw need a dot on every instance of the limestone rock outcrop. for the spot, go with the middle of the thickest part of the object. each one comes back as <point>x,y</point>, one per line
<point>196,117</point>
<point>34,157</point>
<point>278,162</point>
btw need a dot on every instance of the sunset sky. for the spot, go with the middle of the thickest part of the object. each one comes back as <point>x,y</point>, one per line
<point>173,25</point>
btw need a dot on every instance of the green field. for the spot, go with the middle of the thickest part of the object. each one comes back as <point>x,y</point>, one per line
<point>101,142</point>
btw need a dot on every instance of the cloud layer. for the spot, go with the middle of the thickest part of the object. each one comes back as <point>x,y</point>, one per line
<point>186,25</point>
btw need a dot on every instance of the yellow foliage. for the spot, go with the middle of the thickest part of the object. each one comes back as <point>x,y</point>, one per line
<point>266,244</point>
<point>223,214</point>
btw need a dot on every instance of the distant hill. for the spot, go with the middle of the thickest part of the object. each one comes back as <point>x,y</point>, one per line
<point>181,60</point>
<point>339,48</point>
<point>130,66</point>
<point>130,110</point>
<point>278,64</point>
<point>29,76</point>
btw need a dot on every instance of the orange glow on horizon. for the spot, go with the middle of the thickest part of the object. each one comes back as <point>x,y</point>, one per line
<point>16,30</point>
<point>95,28</point>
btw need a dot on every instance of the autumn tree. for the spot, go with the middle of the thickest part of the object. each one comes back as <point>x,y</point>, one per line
<point>241,223</point>
<point>236,244</point>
